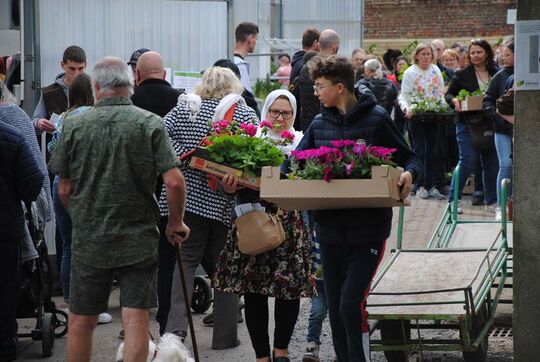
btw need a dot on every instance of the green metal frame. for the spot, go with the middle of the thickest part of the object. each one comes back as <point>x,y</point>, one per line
<point>495,259</point>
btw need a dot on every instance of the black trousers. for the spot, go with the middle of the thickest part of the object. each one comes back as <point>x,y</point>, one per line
<point>285,316</point>
<point>9,289</point>
<point>166,264</point>
<point>347,274</point>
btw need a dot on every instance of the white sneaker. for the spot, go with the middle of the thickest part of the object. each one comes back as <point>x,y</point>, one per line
<point>498,214</point>
<point>104,318</point>
<point>435,194</point>
<point>422,193</point>
<point>491,208</point>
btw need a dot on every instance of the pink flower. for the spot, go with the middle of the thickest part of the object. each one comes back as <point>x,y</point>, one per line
<point>267,124</point>
<point>223,123</point>
<point>287,135</point>
<point>250,129</point>
<point>381,152</point>
<point>349,168</point>
<point>327,174</point>
<point>343,143</point>
<point>359,149</point>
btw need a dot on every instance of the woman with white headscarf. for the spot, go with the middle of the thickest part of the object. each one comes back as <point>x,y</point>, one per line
<point>282,273</point>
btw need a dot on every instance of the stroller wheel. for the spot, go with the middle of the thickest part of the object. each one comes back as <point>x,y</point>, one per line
<point>202,295</point>
<point>47,334</point>
<point>60,323</point>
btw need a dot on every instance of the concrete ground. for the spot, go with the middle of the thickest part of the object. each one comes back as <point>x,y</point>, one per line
<point>420,220</point>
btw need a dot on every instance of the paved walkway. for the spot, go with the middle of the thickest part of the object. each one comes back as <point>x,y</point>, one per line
<point>420,220</point>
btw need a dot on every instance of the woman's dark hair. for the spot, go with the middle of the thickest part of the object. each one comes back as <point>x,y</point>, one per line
<point>509,45</point>
<point>285,55</point>
<point>490,58</point>
<point>401,57</point>
<point>389,58</point>
<point>80,91</point>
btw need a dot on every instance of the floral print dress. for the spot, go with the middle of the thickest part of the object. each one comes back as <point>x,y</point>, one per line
<point>284,272</point>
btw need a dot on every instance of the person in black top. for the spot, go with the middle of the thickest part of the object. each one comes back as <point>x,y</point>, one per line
<point>21,179</point>
<point>153,92</point>
<point>156,95</point>
<point>475,76</point>
<point>352,241</point>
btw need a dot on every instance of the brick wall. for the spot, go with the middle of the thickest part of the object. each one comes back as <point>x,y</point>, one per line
<point>417,19</point>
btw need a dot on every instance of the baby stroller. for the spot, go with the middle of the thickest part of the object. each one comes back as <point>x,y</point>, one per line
<point>35,274</point>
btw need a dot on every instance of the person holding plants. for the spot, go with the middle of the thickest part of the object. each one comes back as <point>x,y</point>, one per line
<point>283,273</point>
<point>422,90</point>
<point>352,241</point>
<point>472,80</point>
<point>208,212</point>
<point>504,130</point>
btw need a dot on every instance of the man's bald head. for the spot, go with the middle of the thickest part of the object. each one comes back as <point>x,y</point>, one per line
<point>329,42</point>
<point>150,66</point>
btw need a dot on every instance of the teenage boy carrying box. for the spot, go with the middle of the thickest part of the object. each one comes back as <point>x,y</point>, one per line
<point>352,240</point>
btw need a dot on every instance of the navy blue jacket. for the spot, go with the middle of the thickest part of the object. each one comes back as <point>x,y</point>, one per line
<point>370,122</point>
<point>497,87</point>
<point>20,180</point>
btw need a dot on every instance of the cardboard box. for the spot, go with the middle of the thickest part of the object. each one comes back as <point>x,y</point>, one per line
<point>472,103</point>
<point>201,161</point>
<point>379,191</point>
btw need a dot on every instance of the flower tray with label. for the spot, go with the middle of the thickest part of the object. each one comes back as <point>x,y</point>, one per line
<point>381,190</point>
<point>201,160</point>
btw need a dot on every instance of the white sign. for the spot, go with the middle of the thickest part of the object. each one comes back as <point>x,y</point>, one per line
<point>527,50</point>
<point>511,16</point>
<point>168,75</point>
<point>186,80</point>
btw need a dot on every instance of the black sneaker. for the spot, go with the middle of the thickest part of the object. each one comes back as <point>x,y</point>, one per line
<point>478,200</point>
<point>180,334</point>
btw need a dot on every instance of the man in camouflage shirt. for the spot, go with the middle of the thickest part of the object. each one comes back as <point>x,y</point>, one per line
<point>108,160</point>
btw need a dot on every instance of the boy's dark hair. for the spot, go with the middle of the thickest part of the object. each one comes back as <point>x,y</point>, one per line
<point>80,91</point>
<point>75,54</point>
<point>309,36</point>
<point>244,30</point>
<point>509,44</point>
<point>337,69</point>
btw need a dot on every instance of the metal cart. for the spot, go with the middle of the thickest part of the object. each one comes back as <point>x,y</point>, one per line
<point>450,288</point>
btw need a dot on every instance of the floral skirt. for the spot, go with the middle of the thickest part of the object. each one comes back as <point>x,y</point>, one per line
<point>284,272</point>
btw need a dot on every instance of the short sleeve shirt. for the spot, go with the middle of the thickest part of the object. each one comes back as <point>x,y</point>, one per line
<point>112,154</point>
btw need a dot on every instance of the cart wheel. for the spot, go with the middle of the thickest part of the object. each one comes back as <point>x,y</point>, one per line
<point>392,334</point>
<point>480,354</point>
<point>60,323</point>
<point>202,295</point>
<point>47,334</point>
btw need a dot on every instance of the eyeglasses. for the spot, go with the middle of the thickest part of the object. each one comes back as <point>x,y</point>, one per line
<point>317,87</point>
<point>274,113</point>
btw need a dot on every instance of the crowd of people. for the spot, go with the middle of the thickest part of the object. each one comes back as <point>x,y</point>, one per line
<point>124,196</point>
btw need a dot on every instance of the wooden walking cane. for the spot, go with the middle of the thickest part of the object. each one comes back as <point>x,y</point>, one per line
<point>187,303</point>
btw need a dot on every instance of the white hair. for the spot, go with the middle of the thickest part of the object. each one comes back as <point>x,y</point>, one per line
<point>112,74</point>
<point>6,96</point>
<point>374,67</point>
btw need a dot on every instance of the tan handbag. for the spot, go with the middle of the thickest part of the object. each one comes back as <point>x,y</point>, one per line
<point>258,232</point>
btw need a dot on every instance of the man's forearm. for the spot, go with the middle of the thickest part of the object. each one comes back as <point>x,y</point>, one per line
<point>64,191</point>
<point>176,200</point>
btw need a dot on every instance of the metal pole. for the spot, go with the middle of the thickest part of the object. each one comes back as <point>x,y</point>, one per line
<point>362,8</point>
<point>30,55</point>
<point>230,29</point>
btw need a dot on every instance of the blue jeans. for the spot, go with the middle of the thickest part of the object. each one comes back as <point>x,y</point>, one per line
<point>468,160</point>
<point>503,144</point>
<point>424,135</point>
<point>318,313</point>
<point>63,220</point>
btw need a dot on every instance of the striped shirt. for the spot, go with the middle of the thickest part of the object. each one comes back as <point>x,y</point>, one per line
<point>14,116</point>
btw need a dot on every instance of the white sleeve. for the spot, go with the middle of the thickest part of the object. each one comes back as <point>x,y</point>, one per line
<point>407,85</point>
<point>244,75</point>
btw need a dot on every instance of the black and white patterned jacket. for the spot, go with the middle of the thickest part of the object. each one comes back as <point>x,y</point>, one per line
<point>186,134</point>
